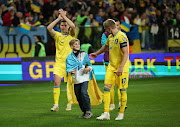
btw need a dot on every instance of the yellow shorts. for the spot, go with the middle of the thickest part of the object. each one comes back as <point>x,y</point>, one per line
<point>60,69</point>
<point>121,81</point>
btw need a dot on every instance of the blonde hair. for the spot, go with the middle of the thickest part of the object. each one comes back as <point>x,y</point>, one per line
<point>73,41</point>
<point>109,23</point>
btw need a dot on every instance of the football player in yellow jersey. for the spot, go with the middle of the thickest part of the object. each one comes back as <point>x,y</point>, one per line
<point>112,93</point>
<point>118,68</point>
<point>62,50</point>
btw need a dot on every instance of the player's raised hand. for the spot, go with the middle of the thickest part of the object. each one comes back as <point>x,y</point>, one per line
<point>60,17</point>
<point>92,55</point>
<point>62,12</point>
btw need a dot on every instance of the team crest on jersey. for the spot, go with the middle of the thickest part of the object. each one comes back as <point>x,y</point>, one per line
<point>116,41</point>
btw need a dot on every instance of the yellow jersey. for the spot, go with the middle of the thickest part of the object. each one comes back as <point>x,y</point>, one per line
<point>115,43</point>
<point>62,46</point>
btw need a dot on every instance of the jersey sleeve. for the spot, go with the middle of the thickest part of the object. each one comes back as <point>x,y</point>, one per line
<point>123,40</point>
<point>57,34</point>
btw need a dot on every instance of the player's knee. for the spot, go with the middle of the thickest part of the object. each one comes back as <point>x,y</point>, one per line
<point>57,83</point>
<point>108,86</point>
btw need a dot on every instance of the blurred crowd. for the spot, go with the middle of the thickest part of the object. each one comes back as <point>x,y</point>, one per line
<point>151,15</point>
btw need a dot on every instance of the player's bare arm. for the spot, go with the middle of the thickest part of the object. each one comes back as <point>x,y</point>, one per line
<point>125,57</point>
<point>69,22</point>
<point>51,26</point>
<point>101,50</point>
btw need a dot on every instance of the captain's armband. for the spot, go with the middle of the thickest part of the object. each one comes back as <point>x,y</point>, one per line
<point>124,44</point>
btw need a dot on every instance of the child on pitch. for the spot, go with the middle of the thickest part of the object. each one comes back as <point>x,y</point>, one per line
<point>78,64</point>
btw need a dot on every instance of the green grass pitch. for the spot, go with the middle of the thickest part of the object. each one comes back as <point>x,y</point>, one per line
<point>153,102</point>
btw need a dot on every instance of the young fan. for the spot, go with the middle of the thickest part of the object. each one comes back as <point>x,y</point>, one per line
<point>80,67</point>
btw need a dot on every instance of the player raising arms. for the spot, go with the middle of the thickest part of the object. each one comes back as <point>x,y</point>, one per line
<point>118,68</point>
<point>62,50</point>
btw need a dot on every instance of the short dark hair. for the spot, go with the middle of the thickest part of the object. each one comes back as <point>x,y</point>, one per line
<point>116,20</point>
<point>38,37</point>
<point>62,20</point>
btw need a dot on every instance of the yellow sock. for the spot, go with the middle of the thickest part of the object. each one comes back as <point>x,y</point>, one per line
<point>56,92</point>
<point>123,101</point>
<point>112,95</point>
<point>106,99</point>
<point>119,95</point>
